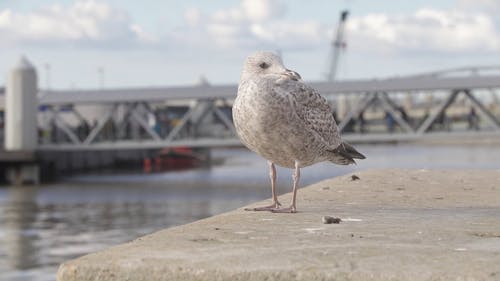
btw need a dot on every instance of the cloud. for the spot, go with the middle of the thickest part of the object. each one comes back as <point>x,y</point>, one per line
<point>262,10</point>
<point>86,21</point>
<point>251,24</point>
<point>263,24</point>
<point>472,26</point>
<point>426,30</point>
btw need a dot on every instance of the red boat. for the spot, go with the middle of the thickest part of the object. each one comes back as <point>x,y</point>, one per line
<point>177,158</point>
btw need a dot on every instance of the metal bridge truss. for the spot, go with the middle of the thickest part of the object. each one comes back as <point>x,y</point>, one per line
<point>206,122</point>
<point>388,105</point>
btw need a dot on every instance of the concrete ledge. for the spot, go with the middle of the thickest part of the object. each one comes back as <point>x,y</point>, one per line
<point>397,225</point>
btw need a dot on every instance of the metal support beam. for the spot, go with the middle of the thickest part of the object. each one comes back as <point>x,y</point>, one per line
<point>228,123</point>
<point>93,134</point>
<point>175,131</point>
<point>120,128</point>
<point>389,107</point>
<point>144,124</point>
<point>61,124</point>
<point>367,100</point>
<point>441,109</point>
<point>489,116</point>
<point>78,115</point>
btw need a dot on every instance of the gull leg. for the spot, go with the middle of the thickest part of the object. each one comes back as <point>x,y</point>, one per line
<point>296,178</point>
<point>276,204</point>
<point>272,175</point>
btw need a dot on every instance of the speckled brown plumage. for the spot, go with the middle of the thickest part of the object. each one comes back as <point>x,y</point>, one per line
<point>284,120</point>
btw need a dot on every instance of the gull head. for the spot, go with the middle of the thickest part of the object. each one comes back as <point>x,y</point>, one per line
<point>262,64</point>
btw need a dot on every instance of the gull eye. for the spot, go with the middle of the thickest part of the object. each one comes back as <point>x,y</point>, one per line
<point>263,65</point>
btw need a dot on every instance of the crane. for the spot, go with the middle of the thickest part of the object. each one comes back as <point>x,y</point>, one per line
<point>338,44</point>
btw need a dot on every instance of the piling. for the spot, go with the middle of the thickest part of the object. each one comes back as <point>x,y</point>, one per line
<point>21,132</point>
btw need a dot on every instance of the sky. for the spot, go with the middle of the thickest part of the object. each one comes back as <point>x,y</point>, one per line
<point>115,44</point>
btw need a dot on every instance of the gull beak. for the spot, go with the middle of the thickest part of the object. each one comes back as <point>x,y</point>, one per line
<point>292,75</point>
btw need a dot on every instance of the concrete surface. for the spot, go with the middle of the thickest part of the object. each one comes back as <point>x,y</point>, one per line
<point>397,225</point>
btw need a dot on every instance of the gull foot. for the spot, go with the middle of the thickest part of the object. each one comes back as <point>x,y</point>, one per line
<point>290,209</point>
<point>270,208</point>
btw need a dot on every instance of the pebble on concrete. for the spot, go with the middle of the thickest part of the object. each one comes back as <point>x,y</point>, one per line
<point>329,220</point>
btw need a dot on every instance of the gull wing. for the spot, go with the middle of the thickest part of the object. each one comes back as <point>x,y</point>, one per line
<point>314,111</point>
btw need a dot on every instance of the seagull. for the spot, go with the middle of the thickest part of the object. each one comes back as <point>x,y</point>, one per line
<point>286,122</point>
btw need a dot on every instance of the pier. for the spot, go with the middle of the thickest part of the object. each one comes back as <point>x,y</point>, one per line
<point>395,225</point>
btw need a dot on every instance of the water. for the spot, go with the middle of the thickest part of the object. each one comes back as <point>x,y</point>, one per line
<point>40,227</point>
